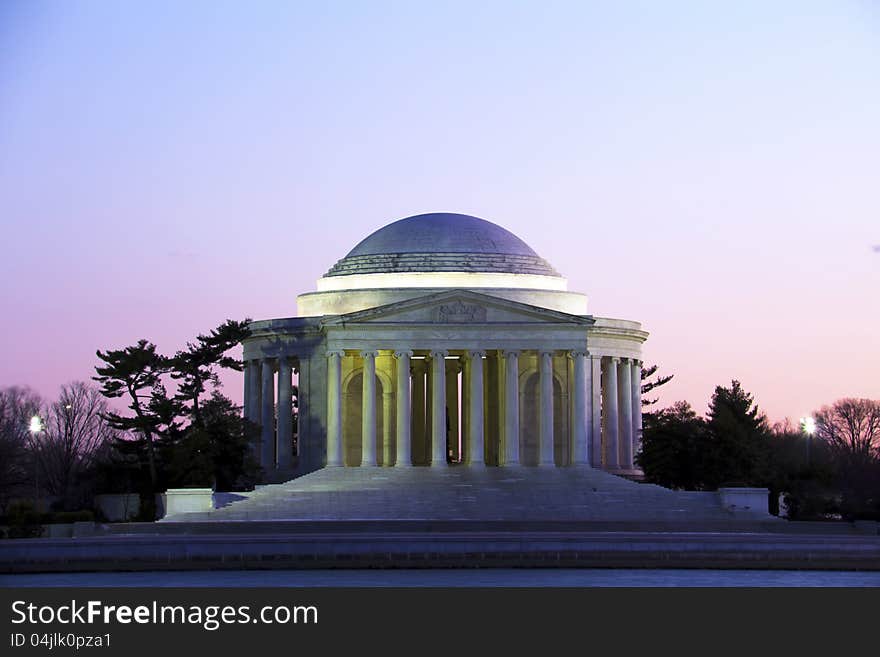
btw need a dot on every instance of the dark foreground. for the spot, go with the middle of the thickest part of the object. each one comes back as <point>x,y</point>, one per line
<point>407,545</point>
<point>497,577</point>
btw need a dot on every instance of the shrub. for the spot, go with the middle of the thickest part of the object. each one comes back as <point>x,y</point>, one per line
<point>70,516</point>
<point>24,521</point>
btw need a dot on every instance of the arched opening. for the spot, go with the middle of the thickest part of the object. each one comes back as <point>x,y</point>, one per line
<point>454,369</point>
<point>530,421</point>
<point>529,426</point>
<point>352,429</point>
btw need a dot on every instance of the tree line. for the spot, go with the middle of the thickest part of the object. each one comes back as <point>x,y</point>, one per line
<point>179,431</point>
<point>832,473</point>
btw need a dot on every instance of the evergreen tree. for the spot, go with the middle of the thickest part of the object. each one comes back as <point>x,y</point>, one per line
<point>674,444</point>
<point>739,438</point>
<point>184,440</point>
<point>197,366</point>
<point>217,451</point>
<point>648,385</point>
<point>136,371</point>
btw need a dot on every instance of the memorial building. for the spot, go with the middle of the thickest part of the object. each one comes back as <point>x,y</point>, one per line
<point>443,340</point>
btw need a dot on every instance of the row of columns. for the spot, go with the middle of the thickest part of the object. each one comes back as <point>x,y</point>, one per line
<point>276,439</point>
<point>622,412</point>
<point>614,413</point>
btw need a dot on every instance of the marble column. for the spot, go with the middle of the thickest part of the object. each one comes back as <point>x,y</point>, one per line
<point>475,411</point>
<point>254,406</point>
<point>596,410</point>
<point>404,410</point>
<point>546,408</point>
<point>438,409</point>
<point>387,427</point>
<point>368,410</point>
<point>335,455</point>
<point>246,399</point>
<point>511,408</point>
<point>624,400</point>
<point>580,417</point>
<point>637,405</point>
<point>453,367</point>
<point>285,414</point>
<point>308,440</point>
<point>256,395</point>
<point>248,387</point>
<point>267,416</point>
<point>610,416</point>
<point>465,409</point>
<point>429,413</point>
<point>418,407</point>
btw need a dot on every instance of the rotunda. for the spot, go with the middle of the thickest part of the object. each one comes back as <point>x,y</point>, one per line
<point>443,340</point>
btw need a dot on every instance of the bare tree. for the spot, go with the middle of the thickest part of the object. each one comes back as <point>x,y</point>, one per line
<point>17,407</point>
<point>851,426</point>
<point>75,433</point>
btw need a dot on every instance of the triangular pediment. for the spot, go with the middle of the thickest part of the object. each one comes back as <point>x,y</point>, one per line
<point>457,307</point>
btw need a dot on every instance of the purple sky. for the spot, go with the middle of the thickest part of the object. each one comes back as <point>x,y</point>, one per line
<point>711,171</point>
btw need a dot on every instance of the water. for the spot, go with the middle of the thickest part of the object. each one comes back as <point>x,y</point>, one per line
<point>454,578</point>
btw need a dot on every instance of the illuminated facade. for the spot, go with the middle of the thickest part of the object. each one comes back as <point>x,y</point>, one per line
<point>443,340</point>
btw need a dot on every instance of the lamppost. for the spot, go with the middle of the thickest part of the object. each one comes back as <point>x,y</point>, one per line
<point>35,427</point>
<point>808,426</point>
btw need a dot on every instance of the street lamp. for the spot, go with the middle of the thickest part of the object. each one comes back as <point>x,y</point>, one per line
<point>35,427</point>
<point>808,426</point>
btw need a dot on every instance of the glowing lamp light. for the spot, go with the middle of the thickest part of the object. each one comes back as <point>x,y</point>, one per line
<point>808,425</point>
<point>36,425</point>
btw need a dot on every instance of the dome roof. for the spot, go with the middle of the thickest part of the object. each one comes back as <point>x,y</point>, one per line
<point>442,241</point>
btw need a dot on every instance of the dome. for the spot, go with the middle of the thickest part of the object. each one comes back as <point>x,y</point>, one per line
<point>442,242</point>
<point>427,253</point>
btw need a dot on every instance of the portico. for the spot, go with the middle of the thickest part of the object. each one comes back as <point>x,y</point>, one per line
<point>495,394</point>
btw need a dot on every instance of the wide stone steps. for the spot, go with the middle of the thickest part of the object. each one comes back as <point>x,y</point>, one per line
<point>461,493</point>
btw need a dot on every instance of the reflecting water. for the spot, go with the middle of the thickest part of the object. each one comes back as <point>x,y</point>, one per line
<point>499,577</point>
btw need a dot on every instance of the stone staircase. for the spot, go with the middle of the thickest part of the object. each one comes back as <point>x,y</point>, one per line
<point>576,494</point>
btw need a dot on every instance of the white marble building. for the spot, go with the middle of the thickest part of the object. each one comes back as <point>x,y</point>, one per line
<point>444,326</point>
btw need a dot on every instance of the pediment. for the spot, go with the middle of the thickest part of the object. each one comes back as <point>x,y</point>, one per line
<point>457,307</point>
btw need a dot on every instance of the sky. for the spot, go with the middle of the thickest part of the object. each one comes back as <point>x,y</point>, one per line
<point>709,169</point>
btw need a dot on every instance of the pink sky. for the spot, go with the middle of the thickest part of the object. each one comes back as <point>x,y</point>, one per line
<point>709,171</point>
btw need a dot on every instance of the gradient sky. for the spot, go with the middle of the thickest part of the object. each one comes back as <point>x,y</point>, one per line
<point>709,169</point>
